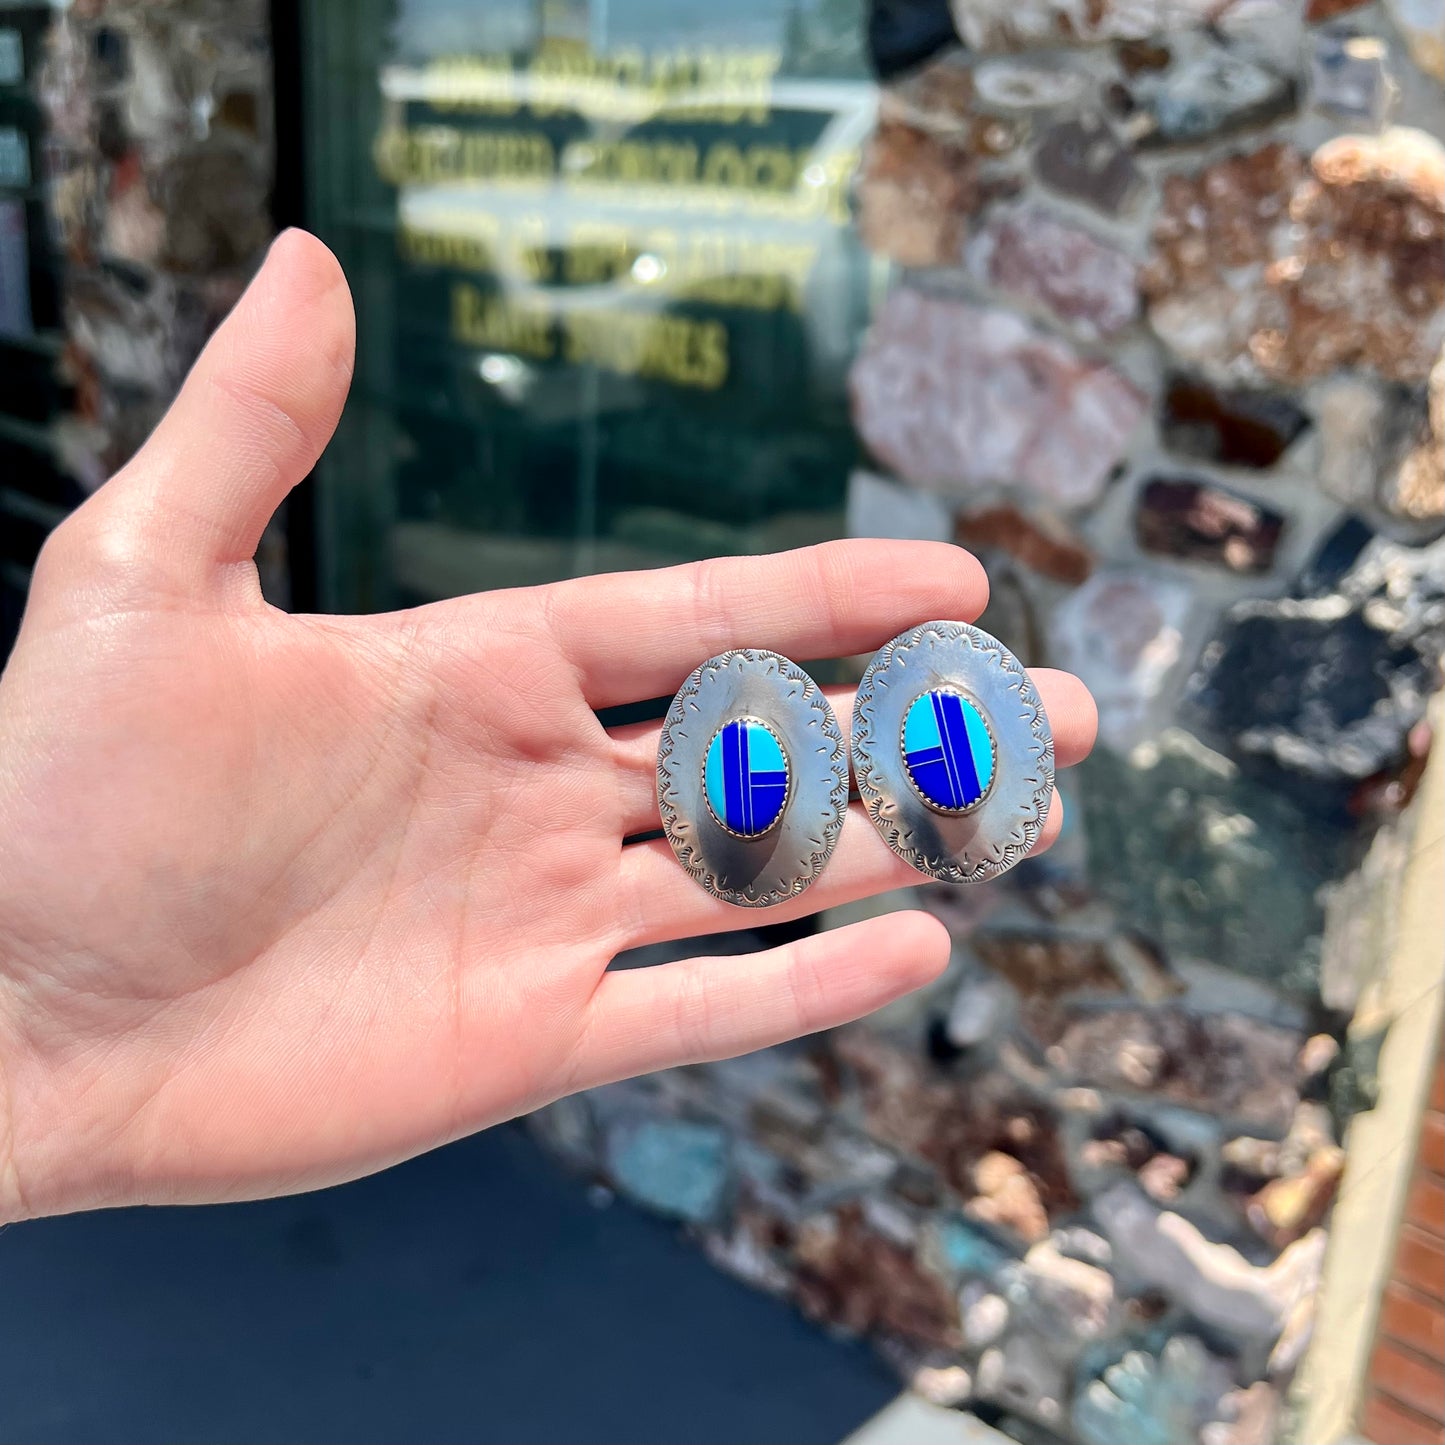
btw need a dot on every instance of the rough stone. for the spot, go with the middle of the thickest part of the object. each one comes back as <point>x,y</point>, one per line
<point>1017,24</point>
<point>1192,520</point>
<point>953,1125</point>
<point>1147,1399</point>
<point>1021,1375</point>
<point>1046,965</point>
<point>1417,489</point>
<point>1266,266</point>
<point>963,1248</point>
<point>1243,1301</point>
<point>673,1166</point>
<point>748,1251</point>
<point>1246,1417</point>
<point>1287,1209</point>
<point>1350,78</point>
<point>1422,23</point>
<point>1060,268</point>
<point>1208,95</point>
<point>976,1012</point>
<point>955,397</point>
<point>1208,864</point>
<point>1237,428</point>
<point>1313,687</point>
<point>985,1315</point>
<point>1077,1298</point>
<point>1013,85</point>
<point>915,192</point>
<point>946,1385</point>
<point>861,1282</point>
<point>1164,1177</point>
<point>1123,633</point>
<point>1226,1064</point>
<point>1042,545</point>
<point>1084,160</point>
<point>1008,1197</point>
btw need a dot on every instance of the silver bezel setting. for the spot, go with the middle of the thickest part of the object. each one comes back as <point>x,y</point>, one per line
<point>771,867</point>
<point>1000,830</point>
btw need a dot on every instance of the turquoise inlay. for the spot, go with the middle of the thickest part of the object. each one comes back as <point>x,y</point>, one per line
<point>948,751</point>
<point>745,777</point>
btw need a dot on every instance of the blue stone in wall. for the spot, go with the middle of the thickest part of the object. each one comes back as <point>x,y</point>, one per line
<point>948,750</point>
<point>746,777</point>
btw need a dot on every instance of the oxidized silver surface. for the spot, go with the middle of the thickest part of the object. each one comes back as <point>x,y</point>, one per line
<point>1000,830</point>
<point>783,862</point>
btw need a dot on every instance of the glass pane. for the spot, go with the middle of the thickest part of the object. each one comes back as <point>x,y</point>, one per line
<point>607,286</point>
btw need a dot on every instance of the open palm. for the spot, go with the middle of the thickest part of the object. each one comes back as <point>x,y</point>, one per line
<point>285,899</point>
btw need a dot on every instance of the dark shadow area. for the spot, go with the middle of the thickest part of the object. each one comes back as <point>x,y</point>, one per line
<point>472,1295</point>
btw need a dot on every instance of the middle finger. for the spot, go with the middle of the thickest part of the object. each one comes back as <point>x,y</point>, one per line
<point>1072,716</point>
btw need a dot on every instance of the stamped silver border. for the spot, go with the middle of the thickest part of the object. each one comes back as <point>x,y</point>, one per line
<point>922,797</point>
<point>995,835</point>
<point>786,860</point>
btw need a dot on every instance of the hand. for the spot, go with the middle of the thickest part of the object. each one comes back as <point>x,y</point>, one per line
<point>286,899</point>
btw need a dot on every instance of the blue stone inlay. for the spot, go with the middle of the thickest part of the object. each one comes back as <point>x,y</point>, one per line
<point>948,750</point>
<point>746,778</point>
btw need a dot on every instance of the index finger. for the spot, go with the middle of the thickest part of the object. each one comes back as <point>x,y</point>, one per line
<point>637,635</point>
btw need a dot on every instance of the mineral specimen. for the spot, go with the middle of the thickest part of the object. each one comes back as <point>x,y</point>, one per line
<point>955,398</point>
<point>1202,523</point>
<point>1048,262</point>
<point>1084,160</point>
<point>915,192</point>
<point>1266,266</point>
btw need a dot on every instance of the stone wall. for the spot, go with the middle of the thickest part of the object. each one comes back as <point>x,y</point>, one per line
<point>1161,340</point>
<point>160,159</point>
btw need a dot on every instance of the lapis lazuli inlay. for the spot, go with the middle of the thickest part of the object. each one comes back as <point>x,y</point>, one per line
<point>948,750</point>
<point>746,777</point>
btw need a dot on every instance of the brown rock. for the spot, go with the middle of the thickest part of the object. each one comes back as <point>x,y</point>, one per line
<point>1317,10</point>
<point>1044,547</point>
<point>955,397</point>
<point>1085,160</point>
<point>1240,428</point>
<point>854,1278</point>
<point>1418,489</point>
<point>1048,965</point>
<point>1032,254</point>
<point>915,192</point>
<point>1008,1198</point>
<point>1268,267</point>
<point>1287,1209</point>
<point>912,1108</point>
<point>1164,1177</point>
<point>1203,523</point>
<point>1228,1064</point>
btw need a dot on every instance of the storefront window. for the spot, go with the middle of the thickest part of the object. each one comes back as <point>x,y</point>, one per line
<point>607,283</point>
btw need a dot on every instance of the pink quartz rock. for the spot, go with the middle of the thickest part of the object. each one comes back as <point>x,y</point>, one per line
<point>1030,253</point>
<point>955,398</point>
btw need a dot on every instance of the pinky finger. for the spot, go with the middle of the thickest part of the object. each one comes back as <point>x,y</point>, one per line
<point>714,1008</point>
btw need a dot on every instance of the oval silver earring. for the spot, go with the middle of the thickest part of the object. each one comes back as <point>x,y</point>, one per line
<point>752,778</point>
<point>952,752</point>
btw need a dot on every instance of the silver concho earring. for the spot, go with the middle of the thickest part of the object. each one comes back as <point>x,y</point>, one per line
<point>752,778</point>
<point>952,752</point>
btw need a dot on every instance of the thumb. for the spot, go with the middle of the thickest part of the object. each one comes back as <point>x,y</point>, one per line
<point>253,417</point>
